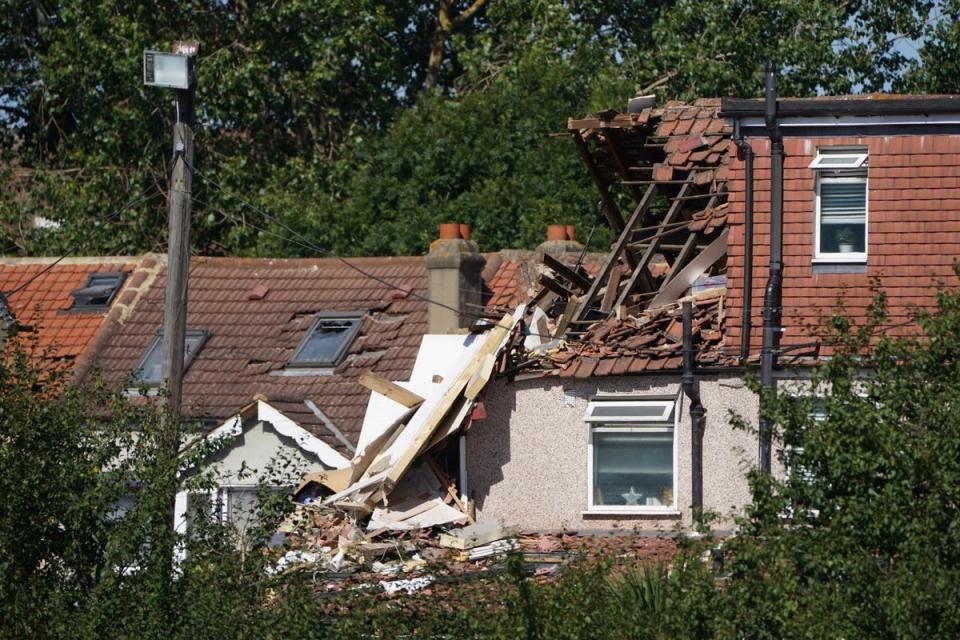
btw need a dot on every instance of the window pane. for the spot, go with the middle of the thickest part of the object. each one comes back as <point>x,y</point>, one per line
<point>843,217</point>
<point>241,507</point>
<point>326,341</point>
<point>151,370</point>
<point>633,469</point>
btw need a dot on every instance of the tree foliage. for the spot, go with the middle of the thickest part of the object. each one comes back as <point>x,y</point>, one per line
<point>857,538</point>
<point>316,111</point>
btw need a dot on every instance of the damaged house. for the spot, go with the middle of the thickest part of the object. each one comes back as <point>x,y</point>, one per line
<point>739,225</point>
<point>766,213</point>
<point>557,389</point>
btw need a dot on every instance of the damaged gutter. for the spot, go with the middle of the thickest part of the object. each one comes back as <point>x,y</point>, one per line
<point>772,297</point>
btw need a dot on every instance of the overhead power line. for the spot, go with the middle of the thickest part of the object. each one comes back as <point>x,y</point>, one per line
<point>80,244</point>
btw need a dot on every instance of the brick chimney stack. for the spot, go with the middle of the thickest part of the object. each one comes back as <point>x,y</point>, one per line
<point>561,242</point>
<point>453,269</point>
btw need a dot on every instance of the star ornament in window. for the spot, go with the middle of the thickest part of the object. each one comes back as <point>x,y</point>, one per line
<point>632,497</point>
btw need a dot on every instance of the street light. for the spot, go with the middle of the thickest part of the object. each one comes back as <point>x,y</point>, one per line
<point>171,70</point>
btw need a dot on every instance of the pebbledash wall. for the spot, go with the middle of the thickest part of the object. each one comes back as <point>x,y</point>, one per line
<point>527,461</point>
<point>913,231</point>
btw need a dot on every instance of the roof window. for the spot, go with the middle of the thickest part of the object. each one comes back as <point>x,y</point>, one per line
<point>150,369</point>
<point>99,291</point>
<point>327,341</point>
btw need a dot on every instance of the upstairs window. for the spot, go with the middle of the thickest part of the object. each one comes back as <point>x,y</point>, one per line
<point>840,227</point>
<point>150,369</point>
<point>631,456</point>
<point>99,291</point>
<point>327,341</point>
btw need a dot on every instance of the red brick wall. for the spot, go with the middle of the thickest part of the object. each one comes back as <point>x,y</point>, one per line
<point>913,232</point>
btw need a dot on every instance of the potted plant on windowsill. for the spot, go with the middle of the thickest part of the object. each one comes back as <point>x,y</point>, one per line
<point>844,237</point>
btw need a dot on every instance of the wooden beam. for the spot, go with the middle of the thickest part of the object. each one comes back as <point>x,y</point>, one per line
<point>450,486</point>
<point>552,284</point>
<point>562,270</point>
<point>568,311</point>
<point>610,209</point>
<point>613,285</point>
<point>618,248</point>
<point>392,390</point>
<point>641,269</point>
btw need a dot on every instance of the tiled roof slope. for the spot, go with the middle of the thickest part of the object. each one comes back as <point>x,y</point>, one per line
<point>50,330</point>
<point>259,310</point>
<point>913,232</point>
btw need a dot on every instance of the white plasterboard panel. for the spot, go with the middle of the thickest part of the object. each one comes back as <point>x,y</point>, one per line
<point>415,503</point>
<point>409,433</point>
<point>395,519</point>
<point>683,280</point>
<point>382,412</point>
<point>438,355</point>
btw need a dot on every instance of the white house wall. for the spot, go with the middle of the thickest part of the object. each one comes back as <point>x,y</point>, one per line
<point>257,447</point>
<point>527,462</point>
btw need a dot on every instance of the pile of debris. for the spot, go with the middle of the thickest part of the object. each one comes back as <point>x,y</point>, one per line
<point>329,545</point>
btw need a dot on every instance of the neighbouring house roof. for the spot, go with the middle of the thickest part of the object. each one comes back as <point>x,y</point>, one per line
<point>258,312</point>
<point>38,293</point>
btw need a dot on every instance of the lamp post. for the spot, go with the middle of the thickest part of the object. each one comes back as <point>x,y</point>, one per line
<point>176,71</point>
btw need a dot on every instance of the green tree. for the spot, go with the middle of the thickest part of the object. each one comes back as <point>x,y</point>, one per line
<point>860,538</point>
<point>338,114</point>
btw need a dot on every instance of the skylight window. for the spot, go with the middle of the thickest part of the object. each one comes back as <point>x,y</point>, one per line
<point>99,291</point>
<point>150,369</point>
<point>326,342</point>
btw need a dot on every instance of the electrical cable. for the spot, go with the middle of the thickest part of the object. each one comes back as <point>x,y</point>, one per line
<point>78,245</point>
<point>305,243</point>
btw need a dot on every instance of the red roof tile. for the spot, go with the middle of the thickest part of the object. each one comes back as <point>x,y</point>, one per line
<point>38,292</point>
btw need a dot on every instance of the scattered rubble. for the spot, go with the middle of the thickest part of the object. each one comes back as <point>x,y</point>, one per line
<point>394,511</point>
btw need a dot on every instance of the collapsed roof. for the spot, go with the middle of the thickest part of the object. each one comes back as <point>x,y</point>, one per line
<point>662,178</point>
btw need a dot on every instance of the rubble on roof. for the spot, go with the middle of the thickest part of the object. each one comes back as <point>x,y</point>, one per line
<point>670,164</point>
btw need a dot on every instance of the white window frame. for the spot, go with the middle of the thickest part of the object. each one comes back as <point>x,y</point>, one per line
<point>634,425</point>
<point>827,159</point>
<point>825,171</point>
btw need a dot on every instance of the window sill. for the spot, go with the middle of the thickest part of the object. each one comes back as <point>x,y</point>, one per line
<point>650,511</point>
<point>842,258</point>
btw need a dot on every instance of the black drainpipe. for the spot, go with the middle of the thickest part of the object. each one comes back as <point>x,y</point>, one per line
<point>697,413</point>
<point>772,297</point>
<point>747,152</point>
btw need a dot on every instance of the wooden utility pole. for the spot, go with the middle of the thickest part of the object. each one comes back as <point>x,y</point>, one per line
<point>178,251</point>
